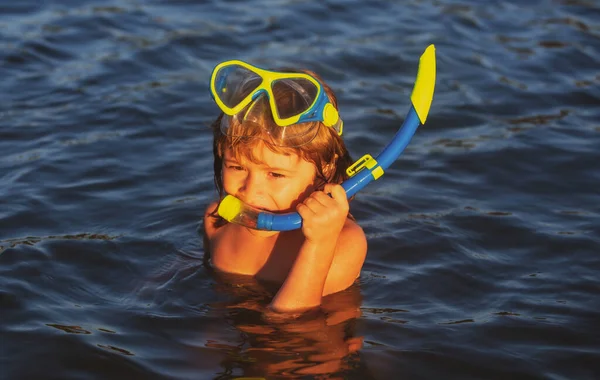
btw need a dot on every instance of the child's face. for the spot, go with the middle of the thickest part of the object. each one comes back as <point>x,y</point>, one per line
<point>278,183</point>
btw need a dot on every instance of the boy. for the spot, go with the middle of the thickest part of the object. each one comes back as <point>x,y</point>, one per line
<point>278,148</point>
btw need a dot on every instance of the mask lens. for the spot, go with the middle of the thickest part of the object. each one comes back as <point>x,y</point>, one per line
<point>233,83</point>
<point>293,96</point>
<point>255,121</point>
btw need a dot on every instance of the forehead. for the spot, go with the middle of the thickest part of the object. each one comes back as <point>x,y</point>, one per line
<point>260,154</point>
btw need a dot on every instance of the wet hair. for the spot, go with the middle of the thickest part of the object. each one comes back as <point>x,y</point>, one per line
<point>326,150</point>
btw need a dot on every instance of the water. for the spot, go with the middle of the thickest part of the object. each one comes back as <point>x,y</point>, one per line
<point>483,238</point>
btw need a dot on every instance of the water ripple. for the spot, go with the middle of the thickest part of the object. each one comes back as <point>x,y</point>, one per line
<point>482,237</point>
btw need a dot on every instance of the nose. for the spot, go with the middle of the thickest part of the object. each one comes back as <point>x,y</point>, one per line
<point>253,188</point>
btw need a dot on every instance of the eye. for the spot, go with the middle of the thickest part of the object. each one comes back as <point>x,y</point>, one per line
<point>276,175</point>
<point>235,167</point>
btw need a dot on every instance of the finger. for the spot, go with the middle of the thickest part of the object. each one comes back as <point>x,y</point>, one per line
<point>338,194</point>
<point>323,198</point>
<point>305,211</point>
<point>336,191</point>
<point>316,202</point>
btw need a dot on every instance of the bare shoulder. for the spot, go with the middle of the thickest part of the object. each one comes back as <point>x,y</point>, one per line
<point>350,255</point>
<point>352,240</point>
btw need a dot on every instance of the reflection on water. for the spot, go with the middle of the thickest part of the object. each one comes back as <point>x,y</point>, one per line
<point>317,342</point>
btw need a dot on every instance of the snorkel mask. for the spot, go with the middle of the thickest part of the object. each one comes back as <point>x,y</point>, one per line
<point>283,106</point>
<point>362,172</point>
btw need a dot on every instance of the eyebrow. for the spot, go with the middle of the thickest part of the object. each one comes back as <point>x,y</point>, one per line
<point>276,169</point>
<point>273,168</point>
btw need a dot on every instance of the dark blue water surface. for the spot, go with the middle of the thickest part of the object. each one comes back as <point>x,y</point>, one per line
<point>484,238</point>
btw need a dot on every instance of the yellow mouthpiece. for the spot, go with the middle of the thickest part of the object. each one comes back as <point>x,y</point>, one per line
<point>229,208</point>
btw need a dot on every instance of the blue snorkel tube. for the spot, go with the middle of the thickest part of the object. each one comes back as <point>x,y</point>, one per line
<point>363,171</point>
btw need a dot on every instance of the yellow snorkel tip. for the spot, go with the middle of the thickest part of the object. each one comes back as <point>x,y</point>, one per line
<point>229,208</point>
<point>235,211</point>
<point>422,94</point>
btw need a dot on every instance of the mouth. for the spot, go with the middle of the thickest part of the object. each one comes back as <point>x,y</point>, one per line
<point>258,207</point>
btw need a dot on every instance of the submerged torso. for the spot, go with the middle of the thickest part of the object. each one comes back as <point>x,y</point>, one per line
<point>237,249</point>
<point>269,256</point>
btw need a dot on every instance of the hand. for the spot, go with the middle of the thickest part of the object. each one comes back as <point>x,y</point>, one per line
<point>324,214</point>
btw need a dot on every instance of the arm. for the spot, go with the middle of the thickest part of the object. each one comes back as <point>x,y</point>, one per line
<point>209,225</point>
<point>331,256</point>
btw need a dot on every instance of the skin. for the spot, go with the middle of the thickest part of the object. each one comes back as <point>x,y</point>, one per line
<point>322,258</point>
